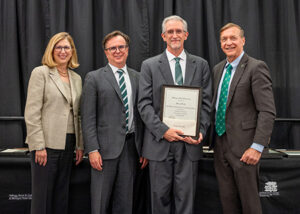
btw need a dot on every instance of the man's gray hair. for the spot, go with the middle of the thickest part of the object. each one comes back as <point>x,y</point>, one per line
<point>176,18</point>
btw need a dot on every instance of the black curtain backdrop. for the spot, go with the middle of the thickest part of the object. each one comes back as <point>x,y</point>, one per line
<point>272,30</point>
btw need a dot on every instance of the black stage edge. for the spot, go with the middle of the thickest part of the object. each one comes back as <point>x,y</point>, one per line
<point>279,187</point>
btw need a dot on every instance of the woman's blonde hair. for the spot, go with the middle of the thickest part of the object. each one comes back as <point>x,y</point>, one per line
<point>48,55</point>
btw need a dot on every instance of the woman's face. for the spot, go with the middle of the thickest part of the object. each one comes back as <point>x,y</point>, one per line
<point>62,52</point>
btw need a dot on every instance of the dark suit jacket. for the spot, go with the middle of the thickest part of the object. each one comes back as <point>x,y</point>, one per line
<point>103,113</point>
<point>250,109</point>
<point>156,72</point>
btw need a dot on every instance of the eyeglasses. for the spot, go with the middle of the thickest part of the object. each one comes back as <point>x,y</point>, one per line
<point>60,48</point>
<point>113,49</point>
<point>178,31</point>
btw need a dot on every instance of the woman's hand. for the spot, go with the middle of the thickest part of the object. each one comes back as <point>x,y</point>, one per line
<point>41,157</point>
<point>79,156</point>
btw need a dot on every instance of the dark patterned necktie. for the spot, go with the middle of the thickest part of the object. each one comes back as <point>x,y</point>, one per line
<point>220,118</point>
<point>123,90</point>
<point>178,72</point>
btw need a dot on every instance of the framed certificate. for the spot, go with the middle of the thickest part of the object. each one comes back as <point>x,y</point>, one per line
<point>180,108</point>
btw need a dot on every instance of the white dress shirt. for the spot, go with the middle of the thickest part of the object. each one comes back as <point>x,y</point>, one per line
<point>129,94</point>
<point>172,62</point>
<point>234,65</point>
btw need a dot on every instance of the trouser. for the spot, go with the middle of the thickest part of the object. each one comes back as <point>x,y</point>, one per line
<point>50,183</point>
<point>112,188</point>
<point>173,182</point>
<point>238,181</point>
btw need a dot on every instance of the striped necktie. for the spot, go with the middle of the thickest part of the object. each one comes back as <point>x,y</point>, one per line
<point>220,118</point>
<point>178,72</point>
<point>123,90</point>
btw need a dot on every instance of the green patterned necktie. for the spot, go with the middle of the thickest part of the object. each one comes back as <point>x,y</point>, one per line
<point>220,118</point>
<point>123,90</point>
<point>178,72</point>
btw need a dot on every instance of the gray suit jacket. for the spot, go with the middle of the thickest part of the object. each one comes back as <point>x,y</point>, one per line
<point>47,109</point>
<point>250,109</point>
<point>103,113</point>
<point>156,72</point>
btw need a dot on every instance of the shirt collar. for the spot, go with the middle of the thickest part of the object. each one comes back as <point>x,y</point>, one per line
<point>235,63</point>
<point>115,69</point>
<point>170,56</point>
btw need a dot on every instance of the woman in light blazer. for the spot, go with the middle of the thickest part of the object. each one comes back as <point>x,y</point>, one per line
<point>53,125</point>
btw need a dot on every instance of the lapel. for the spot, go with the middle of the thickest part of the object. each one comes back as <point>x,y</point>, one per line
<point>217,78</point>
<point>110,77</point>
<point>164,67</point>
<point>73,86</point>
<point>133,84</point>
<point>54,75</point>
<point>189,70</point>
<point>236,78</point>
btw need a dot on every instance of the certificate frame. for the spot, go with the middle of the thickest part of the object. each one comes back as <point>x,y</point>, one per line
<point>180,108</point>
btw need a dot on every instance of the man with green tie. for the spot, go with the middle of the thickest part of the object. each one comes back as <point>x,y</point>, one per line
<point>112,129</point>
<point>173,159</point>
<point>243,113</point>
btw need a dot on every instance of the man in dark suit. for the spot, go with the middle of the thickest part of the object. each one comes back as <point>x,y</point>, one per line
<point>243,113</point>
<point>173,159</point>
<point>112,128</point>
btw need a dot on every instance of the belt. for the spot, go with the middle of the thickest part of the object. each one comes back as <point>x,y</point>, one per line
<point>129,135</point>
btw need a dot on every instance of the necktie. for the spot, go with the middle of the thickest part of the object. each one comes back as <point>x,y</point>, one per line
<point>123,90</point>
<point>178,72</point>
<point>220,118</point>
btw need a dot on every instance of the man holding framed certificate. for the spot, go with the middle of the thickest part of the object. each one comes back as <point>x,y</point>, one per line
<point>174,103</point>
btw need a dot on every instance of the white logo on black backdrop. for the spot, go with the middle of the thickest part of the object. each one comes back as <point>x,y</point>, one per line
<point>18,197</point>
<point>270,189</point>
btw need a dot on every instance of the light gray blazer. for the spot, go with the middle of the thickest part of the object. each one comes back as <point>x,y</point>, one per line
<point>156,72</point>
<point>103,113</point>
<point>47,109</point>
